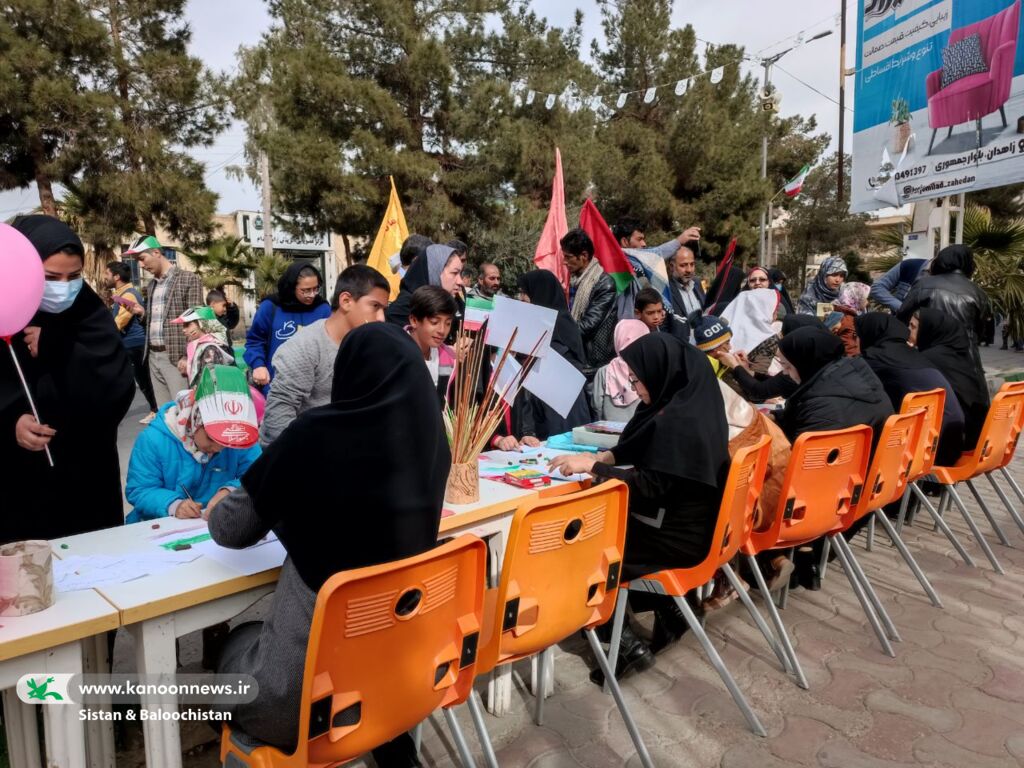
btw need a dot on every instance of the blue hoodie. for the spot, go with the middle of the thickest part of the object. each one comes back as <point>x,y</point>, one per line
<point>160,465</point>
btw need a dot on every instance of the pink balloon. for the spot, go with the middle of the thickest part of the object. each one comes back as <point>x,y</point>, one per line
<point>21,281</point>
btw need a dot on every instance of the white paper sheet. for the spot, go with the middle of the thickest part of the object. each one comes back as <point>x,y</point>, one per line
<point>532,323</point>
<point>269,553</point>
<point>556,381</point>
<point>78,572</point>
<point>505,380</point>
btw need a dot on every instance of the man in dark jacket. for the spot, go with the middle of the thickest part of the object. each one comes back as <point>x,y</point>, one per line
<point>591,299</point>
<point>949,289</point>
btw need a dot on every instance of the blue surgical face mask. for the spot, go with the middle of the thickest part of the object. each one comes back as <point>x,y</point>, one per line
<point>58,295</point>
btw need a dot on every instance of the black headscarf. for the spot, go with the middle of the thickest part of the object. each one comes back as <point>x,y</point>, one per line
<point>336,508</point>
<point>49,235</point>
<point>285,297</point>
<point>944,343</point>
<point>810,349</point>
<point>544,290</point>
<point>953,258</point>
<point>683,432</point>
<point>791,323</point>
<point>883,342</point>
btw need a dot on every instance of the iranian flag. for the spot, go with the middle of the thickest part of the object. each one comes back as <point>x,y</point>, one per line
<point>228,413</point>
<point>796,184</point>
<point>477,311</point>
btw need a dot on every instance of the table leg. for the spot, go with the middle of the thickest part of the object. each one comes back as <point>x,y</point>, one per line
<point>155,655</point>
<point>99,735</point>
<point>22,731</point>
<point>64,731</point>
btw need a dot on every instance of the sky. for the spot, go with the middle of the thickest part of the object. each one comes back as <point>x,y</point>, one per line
<point>807,78</point>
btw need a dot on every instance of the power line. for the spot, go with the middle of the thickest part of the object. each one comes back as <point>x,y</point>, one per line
<point>808,85</point>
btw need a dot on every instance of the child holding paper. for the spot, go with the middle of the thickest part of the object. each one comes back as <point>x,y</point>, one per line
<point>195,451</point>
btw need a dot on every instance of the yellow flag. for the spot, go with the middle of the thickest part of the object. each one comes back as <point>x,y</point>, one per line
<point>390,236</point>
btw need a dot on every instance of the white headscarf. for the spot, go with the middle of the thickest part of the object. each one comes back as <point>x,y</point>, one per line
<point>750,317</point>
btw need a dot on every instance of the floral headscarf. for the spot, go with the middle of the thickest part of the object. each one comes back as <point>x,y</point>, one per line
<point>854,297</point>
<point>183,420</point>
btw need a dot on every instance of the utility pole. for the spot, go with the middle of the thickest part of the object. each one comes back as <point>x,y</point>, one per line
<point>769,104</point>
<point>842,101</point>
<point>268,235</point>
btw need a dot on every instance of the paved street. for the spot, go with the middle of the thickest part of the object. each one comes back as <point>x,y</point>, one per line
<point>952,698</point>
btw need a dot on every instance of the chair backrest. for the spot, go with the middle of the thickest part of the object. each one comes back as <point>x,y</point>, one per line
<point>1011,448</point>
<point>993,31</point>
<point>824,480</point>
<point>1001,430</point>
<point>560,573</point>
<point>389,644</point>
<point>933,403</point>
<point>890,466</point>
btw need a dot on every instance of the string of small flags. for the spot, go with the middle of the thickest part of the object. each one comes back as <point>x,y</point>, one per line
<point>574,100</point>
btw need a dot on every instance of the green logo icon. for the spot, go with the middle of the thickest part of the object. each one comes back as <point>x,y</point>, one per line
<point>38,690</point>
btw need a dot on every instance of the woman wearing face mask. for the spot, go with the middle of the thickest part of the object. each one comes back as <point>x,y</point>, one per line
<point>81,379</point>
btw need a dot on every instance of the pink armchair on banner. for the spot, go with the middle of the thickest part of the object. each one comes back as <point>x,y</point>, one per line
<point>975,96</point>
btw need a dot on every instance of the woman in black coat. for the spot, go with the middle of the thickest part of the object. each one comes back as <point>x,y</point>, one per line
<point>81,378</point>
<point>943,341</point>
<point>903,370</point>
<point>949,289</point>
<point>835,392</point>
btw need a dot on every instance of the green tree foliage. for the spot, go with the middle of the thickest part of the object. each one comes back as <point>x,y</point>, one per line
<point>104,99</point>
<point>820,224</point>
<point>998,246</point>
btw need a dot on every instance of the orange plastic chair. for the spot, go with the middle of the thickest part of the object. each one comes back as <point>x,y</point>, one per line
<point>824,482</point>
<point>933,403</point>
<point>1000,430</point>
<point>389,645</point>
<point>733,527</point>
<point>1008,454</point>
<point>898,445</point>
<point>560,575</point>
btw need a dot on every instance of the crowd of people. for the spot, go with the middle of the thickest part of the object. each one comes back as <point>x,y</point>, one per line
<point>351,387</point>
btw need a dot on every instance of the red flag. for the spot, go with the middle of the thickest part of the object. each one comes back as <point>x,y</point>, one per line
<point>607,250</point>
<point>549,249</point>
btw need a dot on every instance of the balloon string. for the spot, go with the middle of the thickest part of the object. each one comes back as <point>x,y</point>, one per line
<point>28,394</point>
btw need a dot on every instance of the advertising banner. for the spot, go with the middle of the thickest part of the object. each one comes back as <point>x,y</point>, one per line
<point>939,99</point>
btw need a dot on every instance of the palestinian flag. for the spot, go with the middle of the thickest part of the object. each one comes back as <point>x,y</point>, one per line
<point>607,250</point>
<point>794,185</point>
<point>227,410</point>
<point>477,311</point>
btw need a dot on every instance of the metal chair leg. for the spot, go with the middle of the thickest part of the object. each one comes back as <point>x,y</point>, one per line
<point>869,609</point>
<point>904,505</point>
<point>974,530</point>
<point>618,621</point>
<point>942,525</point>
<point>719,665</point>
<point>540,693</point>
<point>1013,483</point>
<point>909,558</point>
<point>870,543</point>
<point>780,628</point>
<point>943,503</point>
<point>1006,502</point>
<point>988,514</point>
<point>784,592</point>
<point>634,733</point>
<point>477,713</point>
<point>417,737</point>
<point>460,740</point>
<point>869,590</point>
<point>826,550</point>
<point>756,615</point>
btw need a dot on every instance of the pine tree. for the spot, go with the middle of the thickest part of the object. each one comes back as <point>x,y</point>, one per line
<point>50,115</point>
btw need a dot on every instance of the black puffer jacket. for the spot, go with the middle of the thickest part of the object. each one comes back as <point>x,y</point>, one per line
<point>597,325</point>
<point>950,290</point>
<point>843,394</point>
